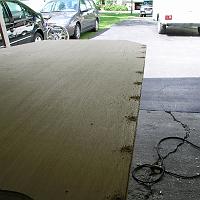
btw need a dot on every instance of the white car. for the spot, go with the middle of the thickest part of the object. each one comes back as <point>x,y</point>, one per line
<point>146,8</point>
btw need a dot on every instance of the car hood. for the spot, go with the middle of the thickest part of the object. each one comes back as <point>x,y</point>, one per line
<point>59,18</point>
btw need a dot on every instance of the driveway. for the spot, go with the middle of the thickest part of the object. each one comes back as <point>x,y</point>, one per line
<point>177,51</point>
<point>169,105</point>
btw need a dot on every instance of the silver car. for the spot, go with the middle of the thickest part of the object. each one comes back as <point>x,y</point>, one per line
<point>76,16</point>
<point>146,8</point>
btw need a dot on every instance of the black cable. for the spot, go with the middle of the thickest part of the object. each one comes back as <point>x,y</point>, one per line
<point>157,169</point>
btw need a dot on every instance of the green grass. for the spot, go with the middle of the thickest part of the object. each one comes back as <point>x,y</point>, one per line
<point>107,20</point>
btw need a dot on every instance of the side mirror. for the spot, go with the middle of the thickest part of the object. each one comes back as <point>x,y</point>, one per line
<point>83,8</point>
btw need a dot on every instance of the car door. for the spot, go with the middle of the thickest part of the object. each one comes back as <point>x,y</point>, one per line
<point>85,18</point>
<point>29,24</point>
<point>90,15</point>
<point>94,13</point>
<point>23,23</point>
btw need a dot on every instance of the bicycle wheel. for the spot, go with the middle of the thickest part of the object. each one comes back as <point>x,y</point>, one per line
<point>50,34</point>
<point>61,32</point>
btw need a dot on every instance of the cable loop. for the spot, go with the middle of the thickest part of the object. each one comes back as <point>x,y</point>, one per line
<point>158,168</point>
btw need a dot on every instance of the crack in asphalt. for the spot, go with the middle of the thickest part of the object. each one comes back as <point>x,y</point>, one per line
<point>152,192</point>
<point>185,126</point>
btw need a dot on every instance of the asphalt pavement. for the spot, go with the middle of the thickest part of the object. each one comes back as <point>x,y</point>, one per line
<point>169,106</point>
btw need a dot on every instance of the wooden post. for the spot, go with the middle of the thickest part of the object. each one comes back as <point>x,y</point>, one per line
<point>131,7</point>
<point>3,31</point>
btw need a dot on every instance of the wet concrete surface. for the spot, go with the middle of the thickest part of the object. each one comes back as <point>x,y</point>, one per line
<point>172,71</point>
<point>67,123</point>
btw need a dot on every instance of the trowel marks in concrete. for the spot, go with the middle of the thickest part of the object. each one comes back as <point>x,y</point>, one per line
<point>63,130</point>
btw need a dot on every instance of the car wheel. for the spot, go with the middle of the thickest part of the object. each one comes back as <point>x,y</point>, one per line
<point>161,28</point>
<point>198,30</point>
<point>77,32</point>
<point>37,37</point>
<point>96,28</point>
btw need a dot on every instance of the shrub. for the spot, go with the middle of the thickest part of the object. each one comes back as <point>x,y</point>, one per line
<point>98,5</point>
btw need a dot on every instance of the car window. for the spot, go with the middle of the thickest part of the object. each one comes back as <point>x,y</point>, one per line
<point>27,12</point>
<point>92,4</point>
<point>48,7</point>
<point>16,10</point>
<point>66,5</point>
<point>148,3</point>
<point>5,15</point>
<point>88,5</point>
<point>83,6</point>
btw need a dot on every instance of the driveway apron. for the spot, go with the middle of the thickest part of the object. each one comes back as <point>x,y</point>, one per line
<point>170,98</point>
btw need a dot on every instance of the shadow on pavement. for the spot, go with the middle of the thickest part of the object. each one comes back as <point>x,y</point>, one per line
<point>182,32</point>
<point>98,33</point>
<point>136,22</point>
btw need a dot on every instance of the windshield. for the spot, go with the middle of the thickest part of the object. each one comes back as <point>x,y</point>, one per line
<point>61,6</point>
<point>148,3</point>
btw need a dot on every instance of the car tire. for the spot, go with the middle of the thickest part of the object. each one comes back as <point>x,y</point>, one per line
<point>77,32</point>
<point>198,30</point>
<point>38,37</point>
<point>96,28</point>
<point>161,28</point>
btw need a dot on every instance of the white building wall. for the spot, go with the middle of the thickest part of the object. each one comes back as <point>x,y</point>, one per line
<point>36,5</point>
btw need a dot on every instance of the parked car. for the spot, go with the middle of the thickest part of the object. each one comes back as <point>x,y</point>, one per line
<point>22,23</point>
<point>146,8</point>
<point>176,14</point>
<point>76,16</point>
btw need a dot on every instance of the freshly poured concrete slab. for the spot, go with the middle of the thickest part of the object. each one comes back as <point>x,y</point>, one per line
<point>68,114</point>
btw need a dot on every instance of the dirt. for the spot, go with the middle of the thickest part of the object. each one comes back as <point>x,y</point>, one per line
<point>131,118</point>
<point>138,83</point>
<point>126,149</point>
<point>137,98</point>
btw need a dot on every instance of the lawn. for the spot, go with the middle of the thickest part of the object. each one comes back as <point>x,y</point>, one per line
<point>106,21</point>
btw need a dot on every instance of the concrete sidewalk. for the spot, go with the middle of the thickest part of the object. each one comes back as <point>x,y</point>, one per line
<point>172,72</point>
